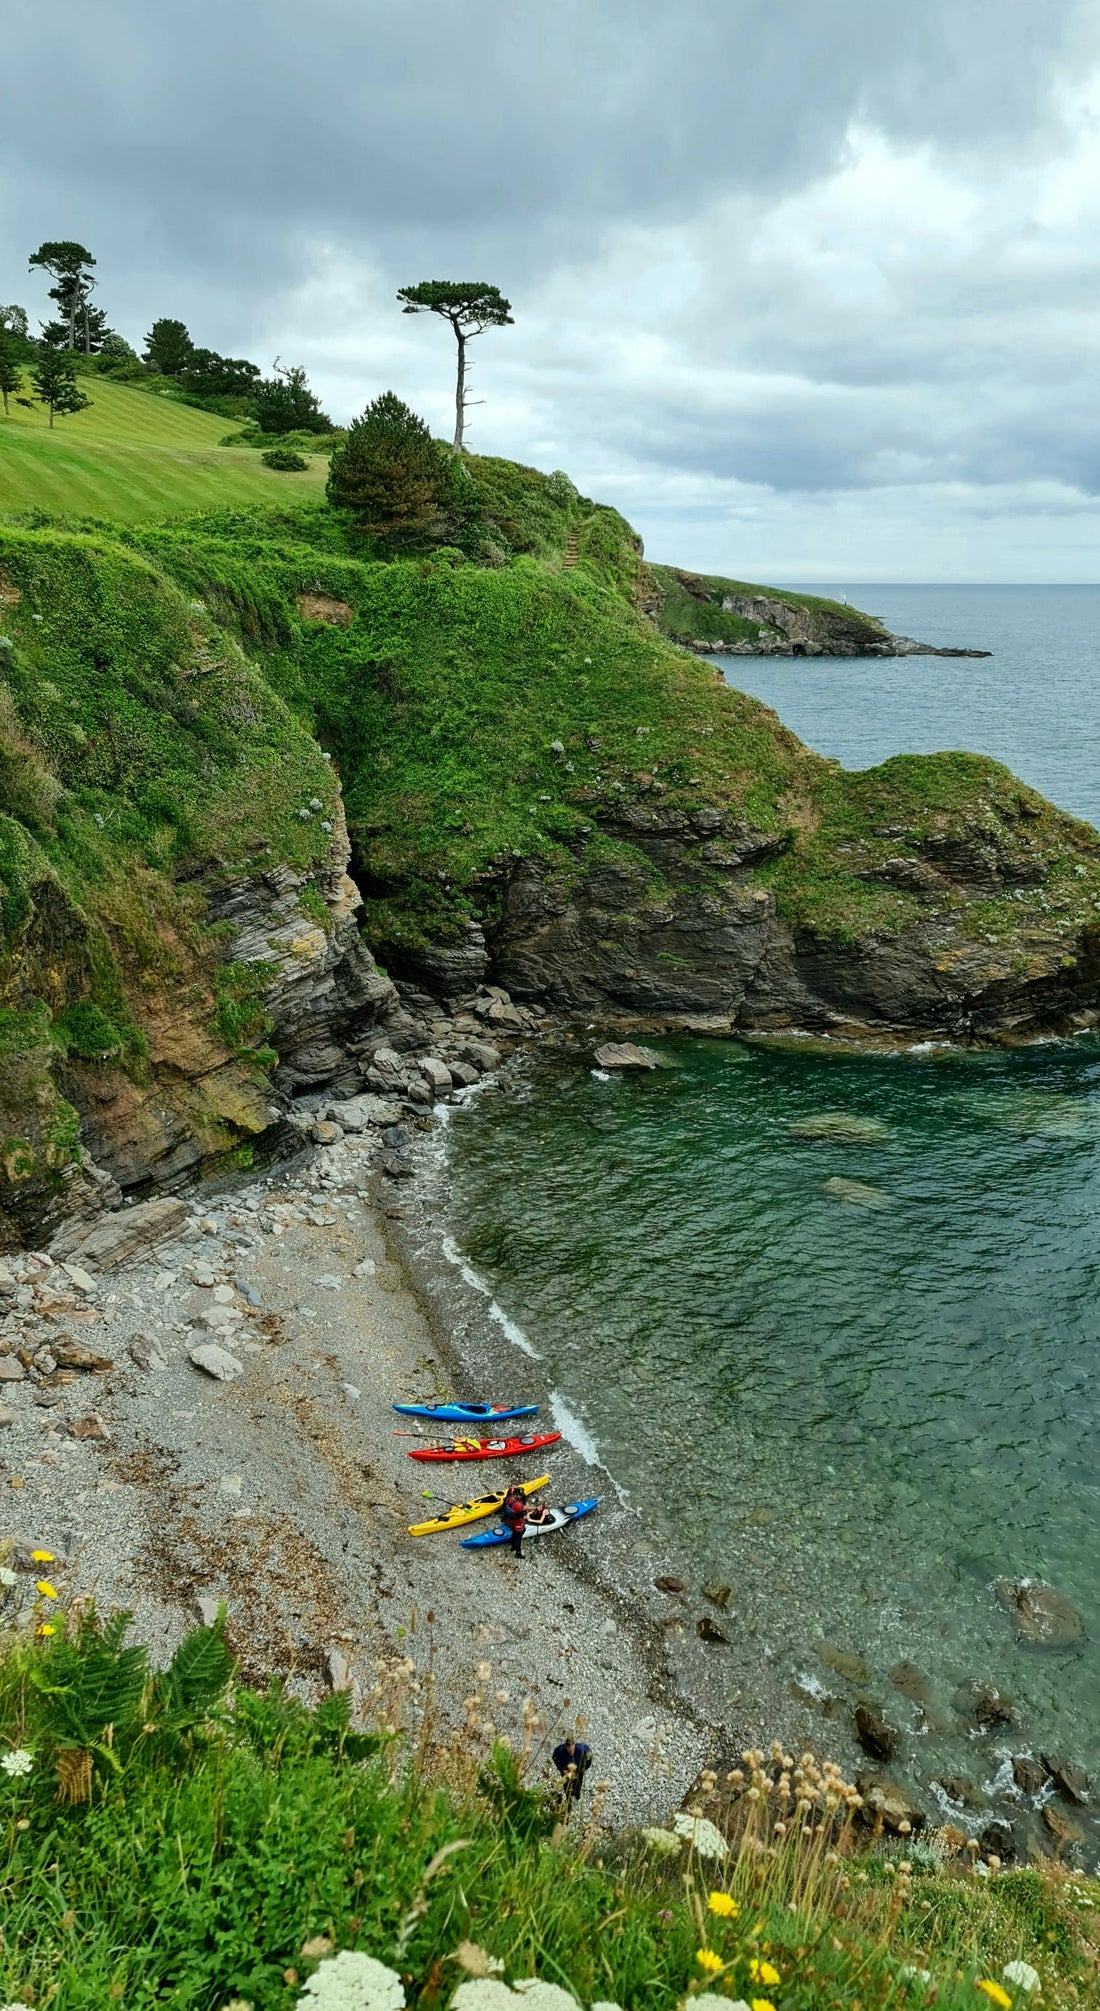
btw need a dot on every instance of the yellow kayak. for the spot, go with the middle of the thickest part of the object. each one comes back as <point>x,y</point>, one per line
<point>472,1511</point>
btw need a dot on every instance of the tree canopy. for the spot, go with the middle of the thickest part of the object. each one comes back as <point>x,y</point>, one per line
<point>391,475</point>
<point>11,375</point>
<point>79,325</point>
<point>471,306</point>
<point>284,403</point>
<point>168,347</point>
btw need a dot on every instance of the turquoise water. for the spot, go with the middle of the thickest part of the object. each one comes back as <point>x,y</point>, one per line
<point>859,1407</point>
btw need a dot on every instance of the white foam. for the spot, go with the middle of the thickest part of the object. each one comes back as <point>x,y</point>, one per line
<point>600,1074</point>
<point>477,1283</point>
<point>570,1427</point>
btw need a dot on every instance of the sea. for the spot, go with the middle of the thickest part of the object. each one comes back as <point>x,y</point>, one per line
<point>861,1418</point>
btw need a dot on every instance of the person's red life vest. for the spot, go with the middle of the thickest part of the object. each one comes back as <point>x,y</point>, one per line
<point>514,1511</point>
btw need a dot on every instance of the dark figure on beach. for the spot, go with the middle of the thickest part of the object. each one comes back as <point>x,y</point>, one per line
<point>514,1514</point>
<point>572,1759</point>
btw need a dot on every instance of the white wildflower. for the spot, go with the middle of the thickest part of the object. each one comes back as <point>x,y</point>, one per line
<point>664,1841</point>
<point>477,1961</point>
<point>708,2000</point>
<point>8,1578</point>
<point>353,1982</point>
<point>15,2007</point>
<point>1022,1976</point>
<point>484,1995</point>
<point>543,1996</point>
<point>704,1838</point>
<point>18,1762</point>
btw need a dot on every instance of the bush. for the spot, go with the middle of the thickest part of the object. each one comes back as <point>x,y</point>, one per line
<point>286,458</point>
<point>395,479</point>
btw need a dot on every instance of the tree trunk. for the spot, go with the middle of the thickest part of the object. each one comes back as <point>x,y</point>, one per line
<point>460,389</point>
<point>87,337</point>
<point>51,414</point>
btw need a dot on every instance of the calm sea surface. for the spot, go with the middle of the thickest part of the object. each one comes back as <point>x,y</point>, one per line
<point>859,1417</point>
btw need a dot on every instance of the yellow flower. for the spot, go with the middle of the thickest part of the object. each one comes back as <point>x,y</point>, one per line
<point>46,1628</point>
<point>43,1585</point>
<point>708,1960</point>
<point>725,1907</point>
<point>764,1972</point>
<point>995,1993</point>
<point>762,2004</point>
<point>42,1557</point>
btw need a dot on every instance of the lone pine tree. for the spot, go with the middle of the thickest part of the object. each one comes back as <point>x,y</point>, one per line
<point>471,307</point>
<point>10,372</point>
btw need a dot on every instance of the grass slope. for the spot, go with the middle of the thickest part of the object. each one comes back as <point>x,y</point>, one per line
<point>172,1844</point>
<point>132,458</point>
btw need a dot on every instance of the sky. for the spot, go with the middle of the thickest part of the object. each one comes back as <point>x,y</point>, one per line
<point>810,289</point>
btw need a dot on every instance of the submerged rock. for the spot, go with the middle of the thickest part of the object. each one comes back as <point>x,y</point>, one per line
<point>719,1595</point>
<point>998,1839</point>
<point>666,1583</point>
<point>982,1705</point>
<point>963,1792</point>
<point>1045,1618</point>
<point>624,1054</point>
<point>840,1127</point>
<point>851,1667</point>
<point>907,1678</point>
<point>855,1193</point>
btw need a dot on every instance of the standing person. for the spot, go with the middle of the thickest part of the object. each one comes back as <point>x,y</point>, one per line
<point>514,1514</point>
<point>572,1759</point>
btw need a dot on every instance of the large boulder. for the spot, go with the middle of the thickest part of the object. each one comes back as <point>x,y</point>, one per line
<point>888,1801</point>
<point>129,1232</point>
<point>624,1054</point>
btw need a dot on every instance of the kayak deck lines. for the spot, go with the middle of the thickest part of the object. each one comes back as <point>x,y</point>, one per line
<point>486,1448</point>
<point>472,1511</point>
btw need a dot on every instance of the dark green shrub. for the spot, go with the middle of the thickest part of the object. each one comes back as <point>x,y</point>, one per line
<point>284,458</point>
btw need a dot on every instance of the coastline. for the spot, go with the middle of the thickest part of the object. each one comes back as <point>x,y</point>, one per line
<point>285,1491</point>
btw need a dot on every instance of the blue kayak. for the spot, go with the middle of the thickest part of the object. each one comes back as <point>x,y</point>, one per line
<point>555,1519</point>
<point>468,1413</point>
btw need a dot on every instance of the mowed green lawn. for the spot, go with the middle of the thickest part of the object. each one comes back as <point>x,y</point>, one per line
<point>133,456</point>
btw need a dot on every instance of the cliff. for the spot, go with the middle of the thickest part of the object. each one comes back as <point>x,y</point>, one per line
<point>238,764</point>
<point>720,617</point>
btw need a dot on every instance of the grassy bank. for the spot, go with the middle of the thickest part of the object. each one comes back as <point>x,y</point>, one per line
<point>132,457</point>
<point>172,1840</point>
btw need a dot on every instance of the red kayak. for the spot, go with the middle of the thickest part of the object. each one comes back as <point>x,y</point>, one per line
<point>486,1448</point>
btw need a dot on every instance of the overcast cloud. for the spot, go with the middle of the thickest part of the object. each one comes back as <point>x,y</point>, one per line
<point>809,288</point>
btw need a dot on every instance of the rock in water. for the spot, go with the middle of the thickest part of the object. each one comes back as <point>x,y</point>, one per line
<point>1044,1616</point>
<point>842,1663</point>
<point>1070,1781</point>
<point>907,1678</point>
<point>624,1054</point>
<point>966,1794</point>
<point>874,1734</point>
<point>1059,1826</point>
<point>1029,1775</point>
<point>669,1584</point>
<point>998,1839</point>
<point>719,1595</point>
<point>855,1193</point>
<point>982,1704</point>
<point>840,1127</point>
<point>886,1800</point>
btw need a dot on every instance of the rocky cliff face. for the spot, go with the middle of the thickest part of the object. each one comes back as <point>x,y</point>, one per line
<point>691,931</point>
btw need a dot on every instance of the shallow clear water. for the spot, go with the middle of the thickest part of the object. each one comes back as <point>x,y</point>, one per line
<point>857,1410</point>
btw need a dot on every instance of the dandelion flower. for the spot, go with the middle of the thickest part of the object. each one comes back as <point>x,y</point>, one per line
<point>43,1557</point>
<point>47,1628</point>
<point>995,1993</point>
<point>762,2004</point>
<point>709,1961</point>
<point>1021,1975</point>
<point>17,1763</point>
<point>725,1907</point>
<point>352,1982</point>
<point>764,1972</point>
<point>47,1590</point>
